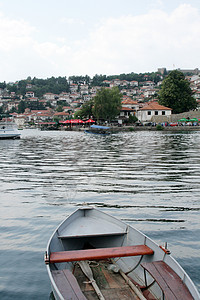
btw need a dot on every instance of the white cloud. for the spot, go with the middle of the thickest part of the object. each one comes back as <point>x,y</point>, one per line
<point>129,43</point>
<point>49,50</point>
<point>144,42</point>
<point>14,33</point>
<point>158,4</point>
<point>72,21</point>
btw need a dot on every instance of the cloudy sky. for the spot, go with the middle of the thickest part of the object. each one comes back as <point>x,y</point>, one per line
<point>45,38</point>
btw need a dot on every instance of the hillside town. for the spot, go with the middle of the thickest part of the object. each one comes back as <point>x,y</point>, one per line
<point>139,100</point>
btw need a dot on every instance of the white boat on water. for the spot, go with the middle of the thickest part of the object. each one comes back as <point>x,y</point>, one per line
<point>9,131</point>
<point>93,255</point>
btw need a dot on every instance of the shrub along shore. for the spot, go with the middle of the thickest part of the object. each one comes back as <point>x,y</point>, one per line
<point>133,128</point>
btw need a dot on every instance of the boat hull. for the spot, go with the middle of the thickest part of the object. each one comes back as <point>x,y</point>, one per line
<point>9,136</point>
<point>8,131</point>
<point>99,133</point>
<point>89,228</point>
<point>96,129</point>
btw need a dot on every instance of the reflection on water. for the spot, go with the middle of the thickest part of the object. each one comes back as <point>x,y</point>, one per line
<point>148,179</point>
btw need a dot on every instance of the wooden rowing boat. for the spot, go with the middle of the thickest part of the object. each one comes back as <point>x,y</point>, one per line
<point>93,255</point>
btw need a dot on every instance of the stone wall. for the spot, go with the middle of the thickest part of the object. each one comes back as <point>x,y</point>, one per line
<point>175,117</point>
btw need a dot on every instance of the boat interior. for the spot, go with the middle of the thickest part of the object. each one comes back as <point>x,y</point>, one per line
<point>120,260</point>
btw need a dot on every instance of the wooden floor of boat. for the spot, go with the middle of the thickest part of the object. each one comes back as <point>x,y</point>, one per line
<point>112,285</point>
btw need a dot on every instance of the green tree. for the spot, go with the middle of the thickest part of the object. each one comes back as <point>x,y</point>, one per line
<point>34,105</point>
<point>176,93</point>
<point>12,110</point>
<point>48,104</point>
<point>62,102</point>
<point>132,119</point>
<point>98,80</point>
<point>107,103</point>
<point>86,110</point>
<point>21,107</point>
<point>59,108</point>
<point>1,110</point>
<point>3,85</point>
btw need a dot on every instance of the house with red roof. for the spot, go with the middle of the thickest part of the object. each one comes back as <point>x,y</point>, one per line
<point>49,96</point>
<point>133,83</point>
<point>30,94</point>
<point>73,87</point>
<point>152,109</point>
<point>62,115</point>
<point>129,102</point>
<point>129,107</point>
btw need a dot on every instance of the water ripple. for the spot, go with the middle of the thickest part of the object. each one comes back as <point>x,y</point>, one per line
<point>148,179</point>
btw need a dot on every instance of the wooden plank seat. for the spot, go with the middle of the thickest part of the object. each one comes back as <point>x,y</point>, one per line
<point>101,253</point>
<point>170,283</point>
<point>67,285</point>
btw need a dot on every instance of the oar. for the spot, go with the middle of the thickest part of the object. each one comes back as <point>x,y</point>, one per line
<point>88,272</point>
<point>130,283</point>
<point>132,286</point>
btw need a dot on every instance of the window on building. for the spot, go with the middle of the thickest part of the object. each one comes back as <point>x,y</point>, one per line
<point>156,113</point>
<point>149,113</point>
<point>163,112</point>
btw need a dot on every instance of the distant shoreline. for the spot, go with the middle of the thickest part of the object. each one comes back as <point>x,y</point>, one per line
<point>133,128</point>
<point>154,128</point>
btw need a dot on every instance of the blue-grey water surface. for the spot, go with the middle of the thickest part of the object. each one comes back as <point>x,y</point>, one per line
<point>149,179</point>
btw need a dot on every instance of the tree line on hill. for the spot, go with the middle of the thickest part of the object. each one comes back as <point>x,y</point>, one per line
<point>56,85</point>
<point>38,86</point>
<point>175,92</point>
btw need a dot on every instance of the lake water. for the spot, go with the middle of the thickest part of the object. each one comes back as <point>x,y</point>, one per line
<point>149,179</point>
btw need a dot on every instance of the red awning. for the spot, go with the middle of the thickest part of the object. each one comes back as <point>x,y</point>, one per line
<point>73,121</point>
<point>66,122</point>
<point>90,121</point>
